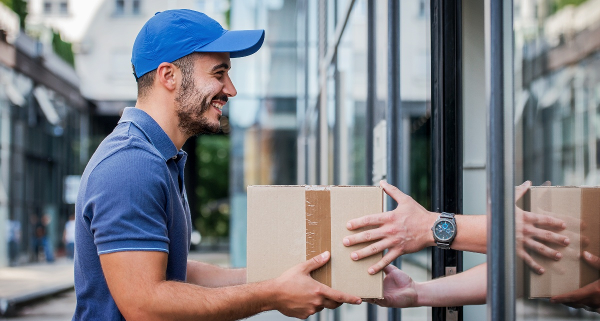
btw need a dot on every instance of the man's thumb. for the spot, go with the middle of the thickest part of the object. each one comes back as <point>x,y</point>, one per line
<point>316,262</point>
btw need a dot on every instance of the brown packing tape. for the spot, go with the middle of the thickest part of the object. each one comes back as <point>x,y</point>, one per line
<point>318,229</point>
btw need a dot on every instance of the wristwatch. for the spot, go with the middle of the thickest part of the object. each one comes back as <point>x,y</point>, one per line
<point>444,230</point>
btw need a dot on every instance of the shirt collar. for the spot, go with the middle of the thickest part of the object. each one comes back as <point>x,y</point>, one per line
<point>155,134</point>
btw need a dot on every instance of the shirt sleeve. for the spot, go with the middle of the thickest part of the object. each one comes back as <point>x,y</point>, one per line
<point>127,199</point>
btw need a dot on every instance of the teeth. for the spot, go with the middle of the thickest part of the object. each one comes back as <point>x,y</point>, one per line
<point>217,105</point>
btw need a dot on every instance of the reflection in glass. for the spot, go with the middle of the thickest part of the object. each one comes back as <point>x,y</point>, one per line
<point>557,106</point>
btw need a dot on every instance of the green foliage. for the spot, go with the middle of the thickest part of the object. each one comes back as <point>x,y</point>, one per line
<point>213,187</point>
<point>62,48</point>
<point>559,4</point>
<point>20,8</point>
<point>228,15</point>
<point>420,163</point>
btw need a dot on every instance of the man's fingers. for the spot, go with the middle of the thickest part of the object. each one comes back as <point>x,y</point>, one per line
<point>315,263</point>
<point>338,296</point>
<point>591,259</point>
<point>542,249</point>
<point>577,295</point>
<point>531,262</point>
<point>393,192</point>
<point>330,304</point>
<point>546,221</point>
<point>370,250</point>
<point>522,189</point>
<point>369,220</point>
<point>385,261</point>
<point>550,237</point>
<point>364,236</point>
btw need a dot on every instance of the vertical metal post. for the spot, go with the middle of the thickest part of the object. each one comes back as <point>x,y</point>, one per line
<point>323,132</point>
<point>500,157</point>
<point>371,97</point>
<point>446,132</point>
<point>394,116</point>
<point>371,87</point>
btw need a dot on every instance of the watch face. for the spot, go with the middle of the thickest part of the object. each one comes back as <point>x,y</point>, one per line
<point>444,230</point>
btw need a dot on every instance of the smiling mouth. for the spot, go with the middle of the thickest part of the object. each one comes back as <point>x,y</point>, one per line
<point>218,104</point>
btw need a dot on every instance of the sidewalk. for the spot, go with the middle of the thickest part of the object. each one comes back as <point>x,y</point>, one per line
<point>26,283</point>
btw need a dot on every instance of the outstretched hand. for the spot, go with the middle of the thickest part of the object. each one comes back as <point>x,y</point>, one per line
<point>535,231</point>
<point>399,290</point>
<point>588,297</point>
<point>300,295</point>
<point>404,230</point>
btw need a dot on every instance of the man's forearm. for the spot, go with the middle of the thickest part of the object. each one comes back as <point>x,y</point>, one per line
<point>469,287</point>
<point>183,301</point>
<point>212,276</point>
<point>471,233</point>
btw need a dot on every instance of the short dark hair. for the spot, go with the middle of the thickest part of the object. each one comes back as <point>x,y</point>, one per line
<point>185,64</point>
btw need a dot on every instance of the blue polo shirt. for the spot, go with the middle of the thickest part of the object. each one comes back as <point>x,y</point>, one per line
<point>131,198</point>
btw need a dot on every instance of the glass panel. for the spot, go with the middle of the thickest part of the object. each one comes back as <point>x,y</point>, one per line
<point>415,93</point>
<point>263,114</point>
<point>352,69</point>
<point>557,135</point>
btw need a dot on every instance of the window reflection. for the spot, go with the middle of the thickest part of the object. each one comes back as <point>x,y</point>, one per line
<point>557,106</point>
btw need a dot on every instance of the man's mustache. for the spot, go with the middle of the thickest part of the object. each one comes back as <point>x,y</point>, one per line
<point>221,97</point>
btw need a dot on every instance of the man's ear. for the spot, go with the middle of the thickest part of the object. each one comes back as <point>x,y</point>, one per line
<point>166,76</point>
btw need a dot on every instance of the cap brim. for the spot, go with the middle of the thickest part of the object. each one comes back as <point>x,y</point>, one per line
<point>239,43</point>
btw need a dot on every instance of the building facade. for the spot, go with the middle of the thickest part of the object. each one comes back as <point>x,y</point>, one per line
<point>45,130</point>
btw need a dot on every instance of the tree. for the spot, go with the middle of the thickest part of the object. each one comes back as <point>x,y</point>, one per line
<point>62,48</point>
<point>213,187</point>
<point>20,8</point>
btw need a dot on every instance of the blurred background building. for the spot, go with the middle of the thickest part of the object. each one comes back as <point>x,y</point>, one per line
<point>44,140</point>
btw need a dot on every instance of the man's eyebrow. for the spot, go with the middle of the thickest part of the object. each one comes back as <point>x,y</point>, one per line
<point>223,65</point>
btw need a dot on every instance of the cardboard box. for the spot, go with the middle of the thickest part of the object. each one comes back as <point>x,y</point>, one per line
<point>289,224</point>
<point>579,207</point>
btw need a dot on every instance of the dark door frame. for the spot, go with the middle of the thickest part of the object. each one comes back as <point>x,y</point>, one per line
<point>446,132</point>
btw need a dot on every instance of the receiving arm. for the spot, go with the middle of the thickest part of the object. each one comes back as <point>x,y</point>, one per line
<point>407,229</point>
<point>400,291</point>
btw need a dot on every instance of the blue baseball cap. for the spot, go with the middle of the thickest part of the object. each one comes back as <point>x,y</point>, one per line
<point>173,34</point>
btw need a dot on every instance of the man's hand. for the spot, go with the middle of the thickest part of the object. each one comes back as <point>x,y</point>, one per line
<point>300,296</point>
<point>399,290</point>
<point>403,230</point>
<point>534,231</point>
<point>587,297</point>
<point>465,288</point>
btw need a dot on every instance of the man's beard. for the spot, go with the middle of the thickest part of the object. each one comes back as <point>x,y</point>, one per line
<point>191,107</point>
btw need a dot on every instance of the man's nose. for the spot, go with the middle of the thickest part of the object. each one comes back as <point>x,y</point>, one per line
<point>229,88</point>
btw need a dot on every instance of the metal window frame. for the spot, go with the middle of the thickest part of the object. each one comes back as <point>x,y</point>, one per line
<point>500,158</point>
<point>394,117</point>
<point>370,114</point>
<point>446,132</point>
